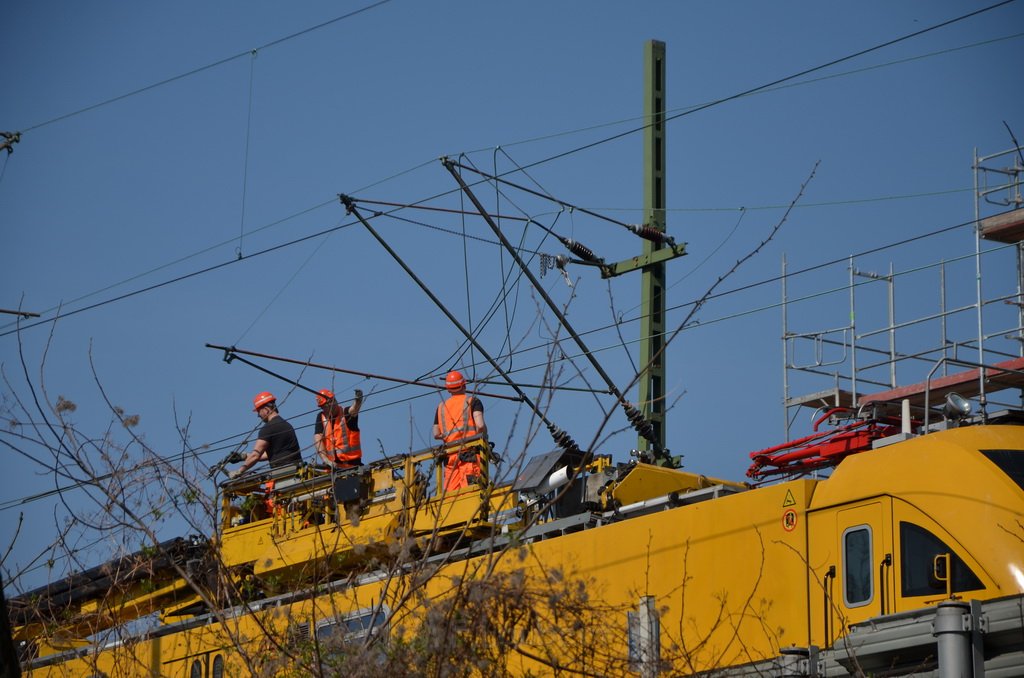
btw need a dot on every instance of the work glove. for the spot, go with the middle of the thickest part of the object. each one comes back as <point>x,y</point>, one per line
<point>234,474</point>
<point>359,394</point>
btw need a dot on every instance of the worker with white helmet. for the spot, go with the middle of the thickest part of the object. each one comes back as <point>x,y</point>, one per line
<point>277,442</point>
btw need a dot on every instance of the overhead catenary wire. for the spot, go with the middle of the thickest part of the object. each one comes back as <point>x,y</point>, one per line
<point>809,269</point>
<point>248,142</point>
<point>535,163</point>
<point>759,88</point>
<point>767,90</point>
<point>560,437</point>
<point>641,230</point>
<point>232,353</point>
<point>586,255</point>
<point>215,446</point>
<point>429,208</point>
<point>732,291</point>
<point>207,67</point>
<point>635,417</point>
<point>304,238</point>
<point>393,215</point>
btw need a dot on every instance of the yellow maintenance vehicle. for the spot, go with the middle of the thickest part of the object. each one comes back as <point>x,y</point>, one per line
<point>687,574</point>
<point>888,541</point>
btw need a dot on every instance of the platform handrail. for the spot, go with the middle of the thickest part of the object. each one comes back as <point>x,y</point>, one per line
<point>982,367</point>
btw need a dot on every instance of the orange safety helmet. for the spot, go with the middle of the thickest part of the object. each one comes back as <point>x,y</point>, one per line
<point>454,381</point>
<point>261,399</point>
<point>324,397</point>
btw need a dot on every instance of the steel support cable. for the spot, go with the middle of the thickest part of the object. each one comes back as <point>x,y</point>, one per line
<point>16,502</point>
<point>392,215</point>
<point>561,438</point>
<point>506,276</point>
<point>245,162</point>
<point>745,288</point>
<point>196,71</point>
<point>811,81</point>
<point>645,232</point>
<point>743,313</point>
<point>707,295</point>
<point>208,449</point>
<point>448,210</point>
<point>585,254</point>
<point>495,305</point>
<point>504,301</point>
<point>187,257</point>
<point>180,278</point>
<point>444,230</point>
<point>545,160</point>
<point>815,267</point>
<point>232,353</point>
<point>217,445</point>
<point>465,274</point>
<point>231,357</point>
<point>765,86</point>
<point>414,222</point>
<point>635,417</point>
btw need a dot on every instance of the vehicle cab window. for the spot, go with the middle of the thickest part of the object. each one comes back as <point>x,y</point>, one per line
<point>858,586</point>
<point>918,548</point>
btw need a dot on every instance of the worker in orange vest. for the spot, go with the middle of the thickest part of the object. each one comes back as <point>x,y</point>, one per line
<point>459,417</point>
<point>336,434</point>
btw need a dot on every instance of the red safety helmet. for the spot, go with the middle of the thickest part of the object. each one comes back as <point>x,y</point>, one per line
<point>324,397</point>
<point>261,399</point>
<point>454,381</point>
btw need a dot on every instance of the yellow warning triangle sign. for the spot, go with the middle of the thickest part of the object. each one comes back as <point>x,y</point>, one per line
<point>789,500</point>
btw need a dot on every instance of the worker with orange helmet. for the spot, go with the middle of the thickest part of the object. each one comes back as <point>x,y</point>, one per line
<point>276,443</point>
<point>336,433</point>
<point>459,417</point>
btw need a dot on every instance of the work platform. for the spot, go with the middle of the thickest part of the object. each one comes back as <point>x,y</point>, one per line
<point>998,377</point>
<point>940,338</point>
<point>1007,227</point>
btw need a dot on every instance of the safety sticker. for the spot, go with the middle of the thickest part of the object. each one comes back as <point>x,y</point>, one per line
<point>789,500</point>
<point>789,520</point>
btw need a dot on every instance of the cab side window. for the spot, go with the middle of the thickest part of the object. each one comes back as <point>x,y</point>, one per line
<point>918,548</point>
<point>857,566</point>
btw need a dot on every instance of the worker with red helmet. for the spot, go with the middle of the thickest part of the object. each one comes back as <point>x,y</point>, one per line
<point>459,417</point>
<point>276,443</point>
<point>336,433</point>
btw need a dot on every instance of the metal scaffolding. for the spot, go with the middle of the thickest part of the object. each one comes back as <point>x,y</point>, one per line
<point>973,347</point>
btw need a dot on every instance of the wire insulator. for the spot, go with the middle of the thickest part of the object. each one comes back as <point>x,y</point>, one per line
<point>582,251</point>
<point>564,440</point>
<point>650,233</point>
<point>348,202</point>
<point>640,423</point>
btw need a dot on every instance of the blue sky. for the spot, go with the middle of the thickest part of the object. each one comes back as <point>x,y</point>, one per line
<point>203,150</point>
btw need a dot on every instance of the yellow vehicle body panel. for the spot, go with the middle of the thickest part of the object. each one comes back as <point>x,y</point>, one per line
<point>734,578</point>
<point>654,481</point>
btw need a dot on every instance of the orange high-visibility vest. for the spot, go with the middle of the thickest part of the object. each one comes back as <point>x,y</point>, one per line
<point>455,418</point>
<point>341,439</point>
